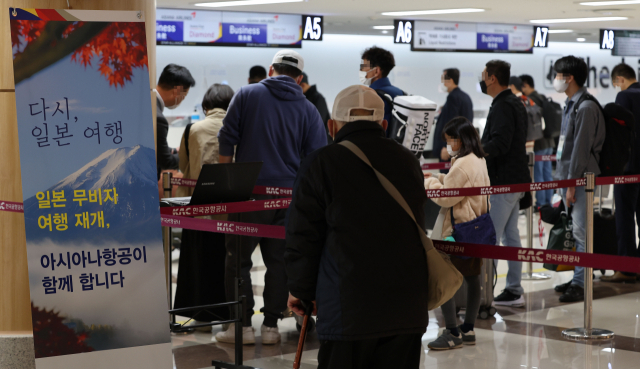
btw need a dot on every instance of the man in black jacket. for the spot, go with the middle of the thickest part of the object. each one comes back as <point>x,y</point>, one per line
<point>504,141</point>
<point>627,197</point>
<point>173,86</point>
<point>458,105</point>
<point>316,98</point>
<point>352,250</point>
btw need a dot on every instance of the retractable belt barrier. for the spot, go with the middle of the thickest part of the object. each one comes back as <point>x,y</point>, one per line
<point>223,226</point>
<point>257,190</point>
<point>226,208</point>
<point>596,261</point>
<point>447,165</point>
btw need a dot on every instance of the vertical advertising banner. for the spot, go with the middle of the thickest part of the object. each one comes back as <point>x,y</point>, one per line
<point>91,204</point>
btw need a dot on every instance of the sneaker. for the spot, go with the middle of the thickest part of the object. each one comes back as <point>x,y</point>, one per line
<point>507,298</point>
<point>446,341</point>
<point>562,288</point>
<point>270,336</point>
<point>229,336</point>
<point>468,338</point>
<point>573,294</point>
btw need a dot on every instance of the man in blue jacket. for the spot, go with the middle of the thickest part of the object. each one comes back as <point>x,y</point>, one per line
<point>272,122</point>
<point>374,72</point>
<point>627,197</point>
<point>458,104</point>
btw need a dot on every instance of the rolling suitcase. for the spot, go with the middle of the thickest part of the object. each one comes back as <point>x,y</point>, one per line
<point>605,238</point>
<point>487,282</point>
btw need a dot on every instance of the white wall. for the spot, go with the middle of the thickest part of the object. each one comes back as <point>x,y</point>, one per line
<point>333,65</point>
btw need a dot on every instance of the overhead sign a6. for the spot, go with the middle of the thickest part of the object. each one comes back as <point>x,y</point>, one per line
<point>403,31</point>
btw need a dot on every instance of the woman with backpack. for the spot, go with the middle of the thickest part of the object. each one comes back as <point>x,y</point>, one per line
<point>468,169</point>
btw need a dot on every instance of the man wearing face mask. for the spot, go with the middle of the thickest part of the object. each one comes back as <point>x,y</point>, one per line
<point>272,122</point>
<point>503,141</point>
<point>374,69</point>
<point>173,86</point>
<point>627,197</point>
<point>458,105</point>
<point>581,139</point>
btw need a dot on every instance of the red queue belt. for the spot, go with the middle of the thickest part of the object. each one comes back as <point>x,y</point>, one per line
<point>528,187</point>
<point>226,208</point>
<point>272,204</point>
<point>580,259</point>
<point>226,227</point>
<point>257,190</point>
<point>447,165</point>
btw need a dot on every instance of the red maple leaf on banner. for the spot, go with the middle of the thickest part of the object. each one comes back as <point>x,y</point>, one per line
<point>120,46</point>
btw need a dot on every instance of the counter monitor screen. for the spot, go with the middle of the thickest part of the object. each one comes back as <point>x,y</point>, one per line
<point>626,43</point>
<point>472,37</point>
<point>220,28</point>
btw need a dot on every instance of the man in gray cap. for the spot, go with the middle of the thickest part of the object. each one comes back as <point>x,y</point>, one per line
<point>272,122</point>
<point>352,250</point>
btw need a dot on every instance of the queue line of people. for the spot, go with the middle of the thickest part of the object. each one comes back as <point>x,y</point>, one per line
<point>346,250</point>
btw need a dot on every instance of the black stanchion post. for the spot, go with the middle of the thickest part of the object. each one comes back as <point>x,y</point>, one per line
<point>588,332</point>
<point>166,240</point>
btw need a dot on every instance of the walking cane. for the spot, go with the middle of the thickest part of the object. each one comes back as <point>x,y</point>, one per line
<point>308,310</point>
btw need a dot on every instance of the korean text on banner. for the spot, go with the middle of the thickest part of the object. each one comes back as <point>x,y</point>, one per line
<point>92,219</point>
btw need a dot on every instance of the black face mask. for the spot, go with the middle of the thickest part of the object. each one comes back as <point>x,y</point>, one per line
<point>483,87</point>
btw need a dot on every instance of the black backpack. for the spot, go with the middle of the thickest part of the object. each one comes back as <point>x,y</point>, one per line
<point>534,120</point>
<point>619,137</point>
<point>552,114</point>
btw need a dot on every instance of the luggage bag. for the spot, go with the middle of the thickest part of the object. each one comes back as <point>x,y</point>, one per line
<point>487,282</point>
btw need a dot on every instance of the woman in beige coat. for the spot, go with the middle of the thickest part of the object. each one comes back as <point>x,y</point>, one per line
<point>202,254</point>
<point>468,169</point>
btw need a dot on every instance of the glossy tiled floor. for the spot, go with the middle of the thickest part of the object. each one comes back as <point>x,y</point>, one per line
<point>522,338</point>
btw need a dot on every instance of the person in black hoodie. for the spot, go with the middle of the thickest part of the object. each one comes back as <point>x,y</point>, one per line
<point>316,98</point>
<point>504,141</point>
<point>352,250</point>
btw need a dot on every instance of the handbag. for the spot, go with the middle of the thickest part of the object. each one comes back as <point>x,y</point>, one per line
<point>444,280</point>
<point>561,239</point>
<point>479,230</point>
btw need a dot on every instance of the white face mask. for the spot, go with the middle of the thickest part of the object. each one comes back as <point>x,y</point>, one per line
<point>560,85</point>
<point>363,78</point>
<point>442,88</point>
<point>451,152</point>
<point>617,88</point>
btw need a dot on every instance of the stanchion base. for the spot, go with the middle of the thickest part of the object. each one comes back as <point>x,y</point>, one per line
<point>535,277</point>
<point>584,334</point>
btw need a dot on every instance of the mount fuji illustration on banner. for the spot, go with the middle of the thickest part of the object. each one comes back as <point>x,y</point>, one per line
<point>132,172</point>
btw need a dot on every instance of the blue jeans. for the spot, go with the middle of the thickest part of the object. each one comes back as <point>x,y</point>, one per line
<point>504,213</point>
<point>579,219</point>
<point>542,172</point>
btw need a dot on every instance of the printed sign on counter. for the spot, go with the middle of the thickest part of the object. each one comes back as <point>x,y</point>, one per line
<point>94,242</point>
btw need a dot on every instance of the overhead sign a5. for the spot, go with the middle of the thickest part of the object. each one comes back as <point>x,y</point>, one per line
<point>312,27</point>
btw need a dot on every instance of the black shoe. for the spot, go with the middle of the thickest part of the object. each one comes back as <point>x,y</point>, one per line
<point>507,298</point>
<point>573,294</point>
<point>562,288</point>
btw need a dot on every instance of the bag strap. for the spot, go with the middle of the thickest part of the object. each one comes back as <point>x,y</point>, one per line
<point>392,190</point>
<point>187,130</point>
